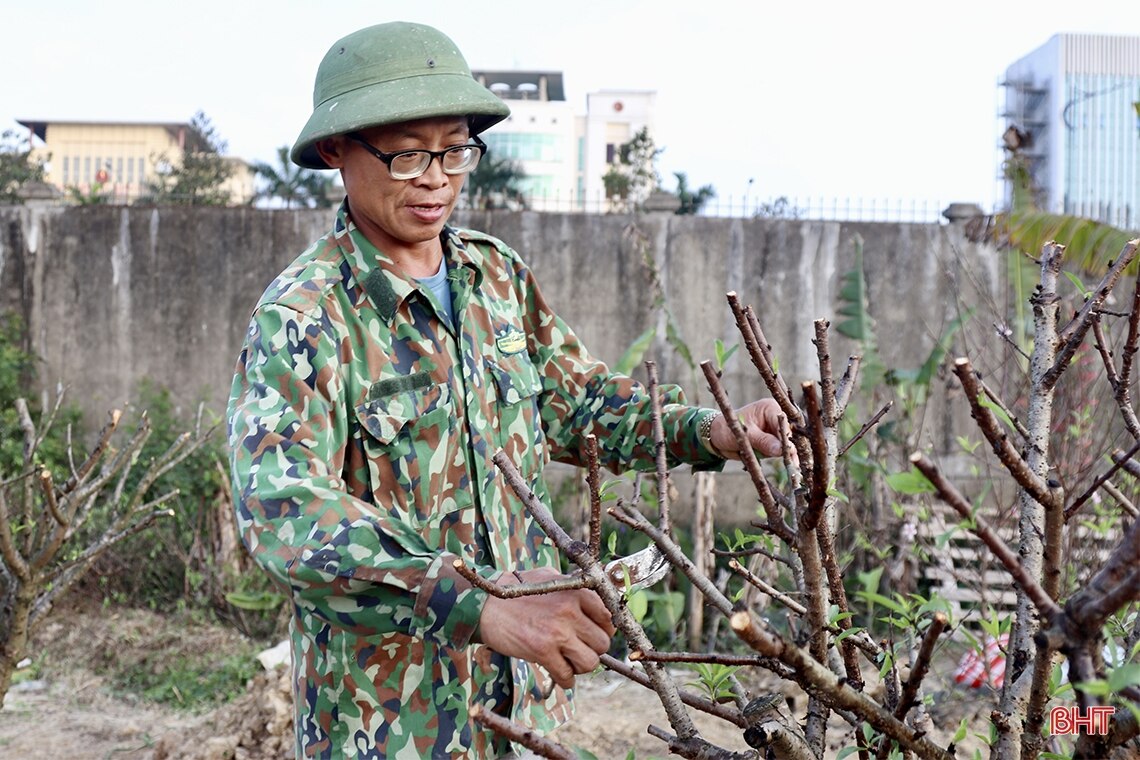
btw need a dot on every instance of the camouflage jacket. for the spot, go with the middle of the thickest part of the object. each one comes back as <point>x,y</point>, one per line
<point>362,429</point>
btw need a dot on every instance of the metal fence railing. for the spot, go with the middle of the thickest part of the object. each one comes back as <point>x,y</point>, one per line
<point>816,208</point>
<point>922,211</point>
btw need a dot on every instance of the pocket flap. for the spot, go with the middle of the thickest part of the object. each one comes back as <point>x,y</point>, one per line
<point>515,378</point>
<point>385,416</point>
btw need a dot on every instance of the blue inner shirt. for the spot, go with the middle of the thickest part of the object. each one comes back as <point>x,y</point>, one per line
<point>440,288</point>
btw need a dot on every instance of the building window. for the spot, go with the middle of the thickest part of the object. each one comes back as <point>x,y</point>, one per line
<point>66,164</point>
<point>519,146</point>
<point>130,169</point>
<point>118,169</point>
<point>87,168</point>
<point>611,153</point>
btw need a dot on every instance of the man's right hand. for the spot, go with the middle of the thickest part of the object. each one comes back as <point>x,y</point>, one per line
<point>564,632</point>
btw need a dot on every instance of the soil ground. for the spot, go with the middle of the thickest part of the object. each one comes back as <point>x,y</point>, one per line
<point>73,710</point>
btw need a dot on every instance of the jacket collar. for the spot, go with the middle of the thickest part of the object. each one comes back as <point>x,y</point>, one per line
<point>384,284</point>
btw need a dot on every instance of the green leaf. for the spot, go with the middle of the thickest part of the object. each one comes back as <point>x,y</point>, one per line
<point>608,490</point>
<point>879,599</point>
<point>938,353</point>
<point>910,482</point>
<point>1079,285</point>
<point>638,604</point>
<point>963,730</point>
<point>1088,243</point>
<point>870,579</point>
<point>722,354</point>
<point>849,632</point>
<point>266,600</point>
<point>888,663</point>
<point>836,617</point>
<point>836,493</point>
<point>1096,688</point>
<point>633,355</point>
<point>584,754</point>
<point>847,752</point>
<point>674,339</point>
<point>1124,676</point>
<point>853,300</point>
<point>967,445</point>
<point>985,402</point>
<point>935,604</point>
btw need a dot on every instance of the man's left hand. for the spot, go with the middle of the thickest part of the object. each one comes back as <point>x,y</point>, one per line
<point>761,421</point>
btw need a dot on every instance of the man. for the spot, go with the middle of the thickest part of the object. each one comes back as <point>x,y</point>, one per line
<point>382,371</point>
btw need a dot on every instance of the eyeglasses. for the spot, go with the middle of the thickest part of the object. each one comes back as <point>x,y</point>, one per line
<point>409,164</point>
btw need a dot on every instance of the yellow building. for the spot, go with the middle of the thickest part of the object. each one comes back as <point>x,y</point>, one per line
<point>122,157</point>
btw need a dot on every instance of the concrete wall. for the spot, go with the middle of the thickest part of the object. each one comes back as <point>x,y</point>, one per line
<point>115,295</point>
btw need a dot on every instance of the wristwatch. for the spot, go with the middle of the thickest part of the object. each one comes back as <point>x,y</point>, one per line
<point>704,432</point>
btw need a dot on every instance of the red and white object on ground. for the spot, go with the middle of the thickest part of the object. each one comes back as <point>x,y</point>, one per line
<point>976,669</point>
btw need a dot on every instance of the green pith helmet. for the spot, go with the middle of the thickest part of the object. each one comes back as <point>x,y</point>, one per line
<point>389,73</point>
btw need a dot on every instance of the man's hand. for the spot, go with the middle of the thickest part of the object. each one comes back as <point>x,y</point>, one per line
<point>564,632</point>
<point>761,421</point>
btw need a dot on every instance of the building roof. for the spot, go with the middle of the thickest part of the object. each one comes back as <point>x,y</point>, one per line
<point>38,127</point>
<point>523,85</point>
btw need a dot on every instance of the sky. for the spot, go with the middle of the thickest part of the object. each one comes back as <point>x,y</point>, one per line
<point>874,100</point>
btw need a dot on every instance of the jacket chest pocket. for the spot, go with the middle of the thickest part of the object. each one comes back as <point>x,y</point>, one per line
<point>410,441</point>
<point>518,424</point>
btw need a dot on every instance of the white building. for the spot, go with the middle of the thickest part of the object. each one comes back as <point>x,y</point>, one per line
<point>540,134</point>
<point>563,154</point>
<point>613,117</point>
<point>1076,97</point>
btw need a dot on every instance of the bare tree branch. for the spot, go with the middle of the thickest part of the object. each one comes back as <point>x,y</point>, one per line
<point>540,745</point>
<point>775,523</point>
<point>1073,334</point>
<point>820,471</point>
<point>1018,425</point>
<point>96,453</point>
<point>12,558</point>
<point>696,748</point>
<point>522,589</point>
<point>578,552</point>
<point>818,680</point>
<point>921,664</point>
<point>867,426</point>
<point>760,353</point>
<point>630,516</point>
<point>999,441</point>
<point>1004,333</point>
<point>951,496</point>
<point>659,450</point>
<point>846,385</point>
<point>592,481</point>
<point>826,380</point>
<point>1120,459</point>
<point>693,700</point>
<point>768,589</point>
<point>1124,502</point>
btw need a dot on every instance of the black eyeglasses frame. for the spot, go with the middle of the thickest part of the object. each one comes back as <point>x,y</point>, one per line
<point>388,158</point>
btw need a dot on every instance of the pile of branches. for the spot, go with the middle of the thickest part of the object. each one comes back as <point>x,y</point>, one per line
<point>821,651</point>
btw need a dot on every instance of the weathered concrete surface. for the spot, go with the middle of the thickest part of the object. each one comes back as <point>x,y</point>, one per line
<point>113,296</point>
